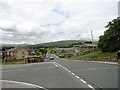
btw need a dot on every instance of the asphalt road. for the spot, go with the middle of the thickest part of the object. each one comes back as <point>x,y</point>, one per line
<point>98,74</point>
<point>61,73</point>
<point>46,74</point>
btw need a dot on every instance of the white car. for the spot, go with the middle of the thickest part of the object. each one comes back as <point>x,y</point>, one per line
<point>51,58</point>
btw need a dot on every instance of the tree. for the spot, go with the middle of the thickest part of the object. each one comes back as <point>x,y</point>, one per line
<point>43,50</point>
<point>110,41</point>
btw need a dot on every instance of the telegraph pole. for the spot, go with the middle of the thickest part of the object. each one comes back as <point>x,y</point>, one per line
<point>92,39</point>
<point>92,36</point>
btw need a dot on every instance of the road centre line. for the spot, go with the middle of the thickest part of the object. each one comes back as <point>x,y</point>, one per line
<point>77,77</point>
<point>82,80</point>
<point>70,71</point>
<point>66,69</point>
<point>55,64</point>
<point>91,87</point>
<point>74,75</point>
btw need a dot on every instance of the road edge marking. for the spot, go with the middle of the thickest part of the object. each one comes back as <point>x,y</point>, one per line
<point>29,84</point>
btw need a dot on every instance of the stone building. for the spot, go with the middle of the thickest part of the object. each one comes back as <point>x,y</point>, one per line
<point>86,47</point>
<point>65,50</point>
<point>17,53</point>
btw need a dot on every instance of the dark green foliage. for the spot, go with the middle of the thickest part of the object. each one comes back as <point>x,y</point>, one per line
<point>110,41</point>
<point>43,50</point>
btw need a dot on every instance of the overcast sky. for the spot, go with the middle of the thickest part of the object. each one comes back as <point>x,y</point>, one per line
<point>39,21</point>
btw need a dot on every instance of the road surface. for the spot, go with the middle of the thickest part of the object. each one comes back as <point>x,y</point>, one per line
<point>61,73</point>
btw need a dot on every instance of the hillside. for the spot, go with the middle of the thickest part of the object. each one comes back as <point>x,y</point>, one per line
<point>62,44</point>
<point>12,45</point>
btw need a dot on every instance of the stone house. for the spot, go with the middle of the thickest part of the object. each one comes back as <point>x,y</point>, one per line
<point>86,47</point>
<point>17,53</point>
<point>32,51</point>
<point>65,50</point>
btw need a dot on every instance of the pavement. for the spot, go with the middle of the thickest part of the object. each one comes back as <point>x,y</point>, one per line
<point>62,73</point>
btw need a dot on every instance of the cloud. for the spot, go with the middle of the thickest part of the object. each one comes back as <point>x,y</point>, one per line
<point>38,21</point>
<point>7,25</point>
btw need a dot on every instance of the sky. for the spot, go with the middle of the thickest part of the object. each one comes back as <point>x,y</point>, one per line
<point>40,21</point>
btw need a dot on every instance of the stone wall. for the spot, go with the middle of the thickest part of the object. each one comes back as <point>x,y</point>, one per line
<point>109,59</point>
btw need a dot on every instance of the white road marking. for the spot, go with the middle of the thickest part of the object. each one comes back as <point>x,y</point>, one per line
<point>66,69</point>
<point>82,80</point>
<point>69,71</point>
<point>55,64</point>
<point>29,84</point>
<point>91,87</point>
<point>75,75</point>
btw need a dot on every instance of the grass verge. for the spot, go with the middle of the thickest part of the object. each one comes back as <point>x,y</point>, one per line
<point>94,54</point>
<point>10,63</point>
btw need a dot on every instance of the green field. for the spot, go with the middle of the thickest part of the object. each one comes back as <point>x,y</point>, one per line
<point>95,54</point>
<point>7,63</point>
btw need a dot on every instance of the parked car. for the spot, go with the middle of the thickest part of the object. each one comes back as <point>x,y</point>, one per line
<point>61,56</point>
<point>51,58</point>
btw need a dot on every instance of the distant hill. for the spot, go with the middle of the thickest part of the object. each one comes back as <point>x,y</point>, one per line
<point>8,46</point>
<point>60,44</point>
